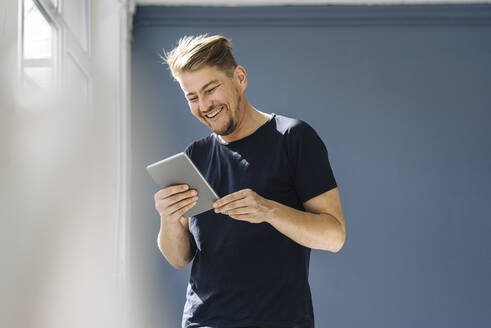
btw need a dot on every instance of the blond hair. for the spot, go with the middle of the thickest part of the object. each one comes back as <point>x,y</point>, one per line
<point>195,52</point>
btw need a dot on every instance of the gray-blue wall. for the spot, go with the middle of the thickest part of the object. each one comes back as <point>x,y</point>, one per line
<point>402,98</point>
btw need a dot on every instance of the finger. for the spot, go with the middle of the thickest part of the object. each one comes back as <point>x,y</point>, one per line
<point>231,197</point>
<point>234,204</point>
<point>186,208</point>
<point>238,211</point>
<point>180,196</point>
<point>162,205</point>
<point>166,192</point>
<point>179,205</point>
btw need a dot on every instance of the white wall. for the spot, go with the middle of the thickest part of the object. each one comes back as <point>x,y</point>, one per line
<point>62,173</point>
<point>294,2</point>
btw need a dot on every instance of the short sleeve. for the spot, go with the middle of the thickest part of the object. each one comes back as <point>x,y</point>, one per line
<point>312,172</point>
<point>189,150</point>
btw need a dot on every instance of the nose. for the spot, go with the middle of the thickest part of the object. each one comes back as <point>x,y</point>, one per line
<point>205,104</point>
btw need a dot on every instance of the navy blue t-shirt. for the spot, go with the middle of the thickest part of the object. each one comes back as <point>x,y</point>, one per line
<point>246,274</point>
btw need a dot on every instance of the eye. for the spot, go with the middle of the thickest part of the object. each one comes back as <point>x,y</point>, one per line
<point>193,100</point>
<point>211,90</point>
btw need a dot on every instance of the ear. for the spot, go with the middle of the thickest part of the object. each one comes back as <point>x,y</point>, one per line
<point>240,77</point>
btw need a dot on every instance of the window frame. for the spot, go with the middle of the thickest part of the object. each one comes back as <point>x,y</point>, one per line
<point>64,42</point>
<point>46,9</point>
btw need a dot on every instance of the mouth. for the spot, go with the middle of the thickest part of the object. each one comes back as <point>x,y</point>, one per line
<point>213,114</point>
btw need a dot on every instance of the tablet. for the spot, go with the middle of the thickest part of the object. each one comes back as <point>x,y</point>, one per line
<point>179,169</point>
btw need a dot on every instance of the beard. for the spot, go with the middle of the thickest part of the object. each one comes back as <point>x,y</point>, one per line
<point>227,129</point>
<point>231,124</point>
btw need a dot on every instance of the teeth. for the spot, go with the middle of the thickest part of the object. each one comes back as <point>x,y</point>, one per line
<point>213,114</point>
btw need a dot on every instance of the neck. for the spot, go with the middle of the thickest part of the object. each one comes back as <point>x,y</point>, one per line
<point>250,120</point>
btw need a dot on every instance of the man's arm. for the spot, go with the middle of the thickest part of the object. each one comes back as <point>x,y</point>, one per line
<point>174,241</point>
<point>321,226</point>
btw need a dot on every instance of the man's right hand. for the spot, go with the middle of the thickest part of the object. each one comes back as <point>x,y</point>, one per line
<point>172,202</point>
<point>174,240</point>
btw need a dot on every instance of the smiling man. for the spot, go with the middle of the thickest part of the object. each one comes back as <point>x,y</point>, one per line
<point>279,200</point>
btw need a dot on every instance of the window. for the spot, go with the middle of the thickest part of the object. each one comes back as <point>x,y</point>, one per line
<point>55,52</point>
<point>39,46</point>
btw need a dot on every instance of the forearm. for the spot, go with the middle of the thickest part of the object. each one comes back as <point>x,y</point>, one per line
<point>175,243</point>
<point>319,231</point>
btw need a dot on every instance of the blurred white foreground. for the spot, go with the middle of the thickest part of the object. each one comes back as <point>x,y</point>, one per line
<point>61,178</point>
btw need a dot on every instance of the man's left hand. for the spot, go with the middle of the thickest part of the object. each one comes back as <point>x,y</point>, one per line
<point>245,205</point>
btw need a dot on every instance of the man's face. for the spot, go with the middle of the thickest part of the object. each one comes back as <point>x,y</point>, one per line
<point>213,97</point>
